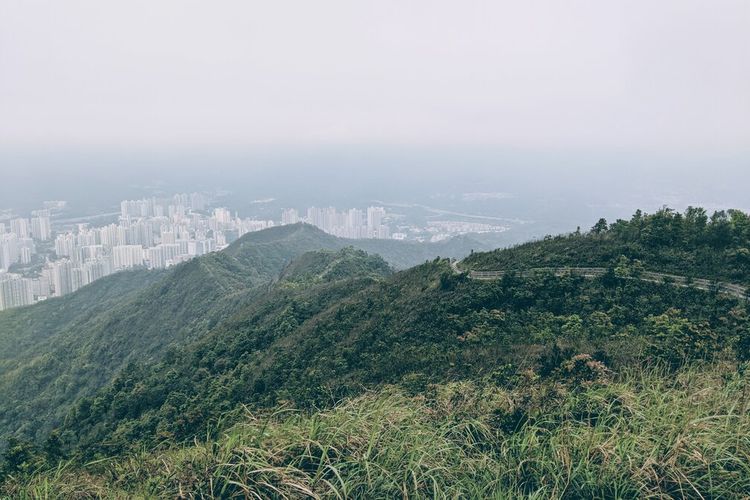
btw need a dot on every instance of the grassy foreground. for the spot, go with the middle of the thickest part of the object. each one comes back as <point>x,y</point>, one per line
<point>591,434</point>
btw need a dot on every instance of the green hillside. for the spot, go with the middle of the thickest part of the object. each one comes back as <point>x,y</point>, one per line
<point>319,341</point>
<point>329,266</point>
<point>38,385</point>
<point>690,244</point>
<point>304,238</point>
<point>23,328</point>
<point>53,353</point>
<point>334,376</point>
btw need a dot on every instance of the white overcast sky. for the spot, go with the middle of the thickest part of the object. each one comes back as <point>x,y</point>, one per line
<point>634,74</point>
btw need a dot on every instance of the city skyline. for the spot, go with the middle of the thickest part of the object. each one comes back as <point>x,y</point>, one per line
<point>38,262</point>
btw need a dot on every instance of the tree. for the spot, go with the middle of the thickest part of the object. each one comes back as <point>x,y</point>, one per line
<point>572,329</point>
<point>622,268</point>
<point>720,232</point>
<point>53,448</point>
<point>626,268</point>
<point>676,340</point>
<point>19,457</point>
<point>600,227</point>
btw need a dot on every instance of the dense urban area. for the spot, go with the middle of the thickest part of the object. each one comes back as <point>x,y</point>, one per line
<point>39,260</point>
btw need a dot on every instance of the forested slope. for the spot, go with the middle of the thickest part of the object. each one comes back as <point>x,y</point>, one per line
<point>689,244</point>
<point>22,329</point>
<point>56,352</point>
<point>316,342</point>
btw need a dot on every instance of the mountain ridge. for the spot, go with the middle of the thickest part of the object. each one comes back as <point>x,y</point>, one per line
<point>171,308</point>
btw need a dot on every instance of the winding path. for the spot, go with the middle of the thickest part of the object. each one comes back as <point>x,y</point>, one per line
<point>731,289</point>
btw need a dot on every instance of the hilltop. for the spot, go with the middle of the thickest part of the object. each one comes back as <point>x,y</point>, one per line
<point>691,244</point>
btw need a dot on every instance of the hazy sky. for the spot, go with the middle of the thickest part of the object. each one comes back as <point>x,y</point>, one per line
<point>665,75</point>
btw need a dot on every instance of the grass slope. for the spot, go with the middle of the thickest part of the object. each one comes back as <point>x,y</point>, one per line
<point>639,434</point>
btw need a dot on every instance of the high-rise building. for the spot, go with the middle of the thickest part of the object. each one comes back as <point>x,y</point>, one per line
<point>375,226</point>
<point>65,245</point>
<point>9,250</point>
<point>250,225</point>
<point>76,278</point>
<point>137,208</point>
<point>42,285</point>
<point>198,202</point>
<point>15,291</point>
<point>85,237</point>
<point>375,217</point>
<point>25,255</point>
<point>20,227</point>
<point>95,269</point>
<point>127,256</point>
<point>156,257</point>
<point>289,216</point>
<point>222,216</point>
<point>62,277</point>
<point>141,233</point>
<point>184,244</point>
<point>89,252</point>
<point>168,236</point>
<point>41,228</point>
<point>55,205</point>
<point>26,249</point>
<point>348,224</point>
<point>108,236</point>
<point>171,252</point>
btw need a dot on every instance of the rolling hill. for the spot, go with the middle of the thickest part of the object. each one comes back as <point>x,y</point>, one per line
<point>314,341</point>
<point>58,351</point>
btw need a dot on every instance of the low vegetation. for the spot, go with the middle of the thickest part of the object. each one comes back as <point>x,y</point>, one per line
<point>585,433</point>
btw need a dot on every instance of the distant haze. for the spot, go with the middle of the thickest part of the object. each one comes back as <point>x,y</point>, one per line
<point>574,109</point>
<point>670,76</point>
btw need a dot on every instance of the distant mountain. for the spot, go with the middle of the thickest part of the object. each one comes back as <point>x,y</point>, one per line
<point>304,237</point>
<point>55,352</point>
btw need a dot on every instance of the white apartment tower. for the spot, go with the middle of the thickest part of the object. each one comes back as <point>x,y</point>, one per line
<point>41,229</point>
<point>15,291</point>
<point>62,277</point>
<point>289,216</point>
<point>20,227</point>
<point>127,256</point>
